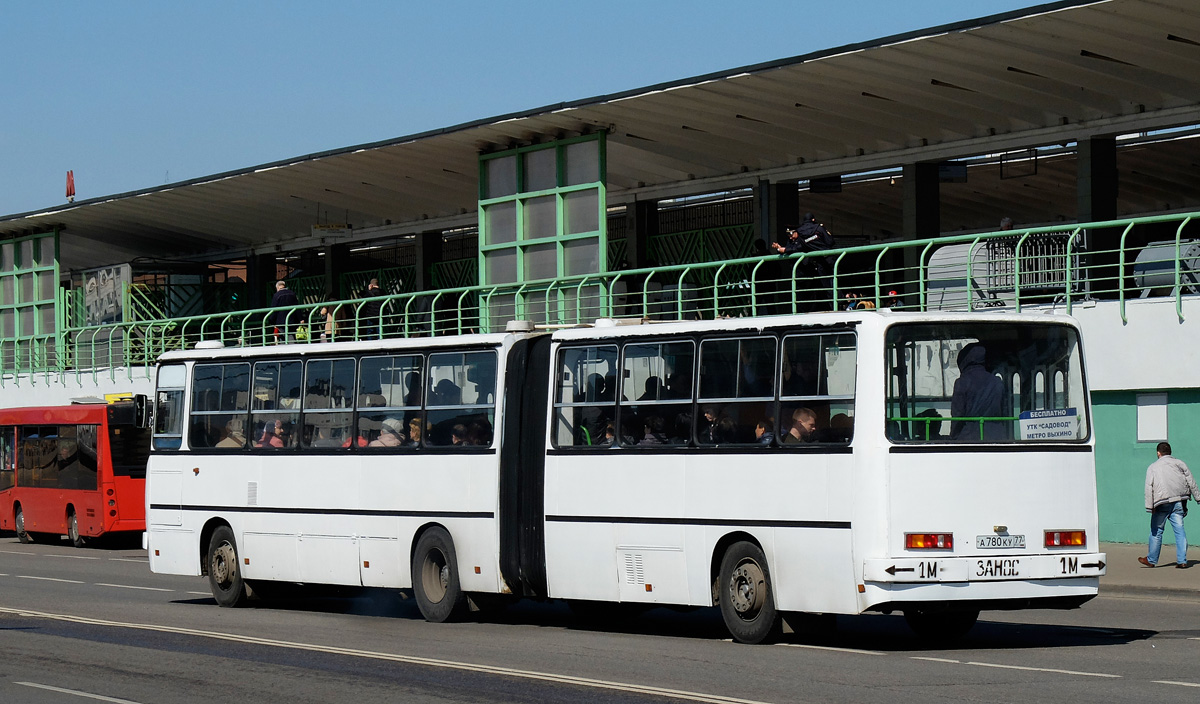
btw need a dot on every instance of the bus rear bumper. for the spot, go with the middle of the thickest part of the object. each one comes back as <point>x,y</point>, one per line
<point>984,568</point>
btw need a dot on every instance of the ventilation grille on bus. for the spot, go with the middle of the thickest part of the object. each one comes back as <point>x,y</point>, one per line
<point>251,493</point>
<point>634,572</point>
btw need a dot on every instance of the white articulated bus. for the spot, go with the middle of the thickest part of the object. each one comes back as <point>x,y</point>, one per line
<point>834,463</point>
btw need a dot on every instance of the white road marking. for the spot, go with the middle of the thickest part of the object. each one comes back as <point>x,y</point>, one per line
<point>856,651</point>
<point>200,593</point>
<point>74,557</point>
<point>76,692</point>
<point>1181,684</point>
<point>1018,667</point>
<point>131,586</point>
<point>412,660</point>
<point>49,579</point>
<point>15,552</point>
<point>1044,669</point>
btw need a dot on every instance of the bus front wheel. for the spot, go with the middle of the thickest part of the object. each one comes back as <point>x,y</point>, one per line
<point>744,586</point>
<point>73,531</point>
<point>940,625</point>
<point>435,577</point>
<point>19,524</point>
<point>224,572</point>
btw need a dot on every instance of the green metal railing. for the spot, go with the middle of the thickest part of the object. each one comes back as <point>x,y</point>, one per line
<point>1116,260</point>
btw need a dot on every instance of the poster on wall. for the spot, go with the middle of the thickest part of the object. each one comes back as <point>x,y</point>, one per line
<point>102,293</point>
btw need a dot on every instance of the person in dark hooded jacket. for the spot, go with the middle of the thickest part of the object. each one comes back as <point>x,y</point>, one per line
<point>977,394</point>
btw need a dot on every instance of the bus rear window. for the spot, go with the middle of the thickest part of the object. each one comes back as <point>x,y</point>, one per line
<point>987,382</point>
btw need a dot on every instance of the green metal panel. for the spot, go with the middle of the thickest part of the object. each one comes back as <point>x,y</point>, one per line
<point>1121,460</point>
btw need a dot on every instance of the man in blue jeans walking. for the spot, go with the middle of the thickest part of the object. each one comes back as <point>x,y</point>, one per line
<point>1169,483</point>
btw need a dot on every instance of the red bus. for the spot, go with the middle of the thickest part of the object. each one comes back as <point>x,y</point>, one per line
<point>77,470</point>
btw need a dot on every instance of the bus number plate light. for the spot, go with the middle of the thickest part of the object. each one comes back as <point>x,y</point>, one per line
<point>929,541</point>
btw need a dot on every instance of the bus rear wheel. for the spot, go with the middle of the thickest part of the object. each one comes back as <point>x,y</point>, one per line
<point>745,594</point>
<point>435,577</point>
<point>73,531</point>
<point>224,571</point>
<point>19,524</point>
<point>941,625</point>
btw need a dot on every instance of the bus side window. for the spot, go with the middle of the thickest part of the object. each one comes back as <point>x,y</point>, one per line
<point>220,395</point>
<point>736,395</point>
<point>168,407</point>
<point>656,402</point>
<point>8,441</point>
<point>818,372</point>
<point>584,402</point>
<point>274,405</point>
<point>458,410</point>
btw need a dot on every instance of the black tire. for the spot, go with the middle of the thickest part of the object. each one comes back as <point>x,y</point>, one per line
<point>19,524</point>
<point>73,531</point>
<point>940,626</point>
<point>745,594</point>
<point>435,577</point>
<point>224,569</point>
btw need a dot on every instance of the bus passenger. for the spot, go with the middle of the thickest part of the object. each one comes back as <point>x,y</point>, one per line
<point>414,432</point>
<point>391,434</point>
<point>654,427</point>
<point>977,394</point>
<point>273,435</point>
<point>458,434</point>
<point>231,435</point>
<point>762,432</point>
<point>804,427</point>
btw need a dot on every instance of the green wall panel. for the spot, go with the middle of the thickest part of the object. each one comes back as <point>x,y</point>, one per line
<point>1121,461</point>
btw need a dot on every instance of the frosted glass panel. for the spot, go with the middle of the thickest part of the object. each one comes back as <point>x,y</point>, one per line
<point>7,290</point>
<point>46,284</point>
<point>501,223</point>
<point>582,211</point>
<point>27,254</point>
<point>541,262</point>
<point>580,257</point>
<point>501,266</point>
<point>501,176</point>
<point>540,218</point>
<point>583,163</point>
<point>6,256</point>
<point>46,313</point>
<point>27,325</point>
<point>47,257</point>
<point>501,309</point>
<point>25,285</point>
<point>8,322</point>
<point>540,170</point>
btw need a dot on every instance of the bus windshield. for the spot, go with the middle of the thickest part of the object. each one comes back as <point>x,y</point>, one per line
<point>985,382</point>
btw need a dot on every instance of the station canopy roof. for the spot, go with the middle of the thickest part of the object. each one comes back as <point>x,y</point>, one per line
<point>1047,74</point>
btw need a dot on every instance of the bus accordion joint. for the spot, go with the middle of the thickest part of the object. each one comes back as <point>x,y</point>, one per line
<point>929,541</point>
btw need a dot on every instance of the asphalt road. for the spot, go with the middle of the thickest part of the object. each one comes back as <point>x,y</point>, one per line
<point>94,624</point>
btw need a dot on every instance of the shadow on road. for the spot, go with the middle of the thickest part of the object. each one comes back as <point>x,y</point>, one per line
<point>877,632</point>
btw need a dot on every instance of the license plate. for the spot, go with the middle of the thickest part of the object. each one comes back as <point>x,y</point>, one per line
<point>997,568</point>
<point>999,541</point>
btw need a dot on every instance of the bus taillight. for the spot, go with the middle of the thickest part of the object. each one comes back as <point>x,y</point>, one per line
<point>1065,538</point>
<point>929,541</point>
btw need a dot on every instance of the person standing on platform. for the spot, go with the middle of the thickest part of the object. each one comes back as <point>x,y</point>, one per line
<point>283,301</point>
<point>811,236</point>
<point>369,312</point>
<point>1169,483</point>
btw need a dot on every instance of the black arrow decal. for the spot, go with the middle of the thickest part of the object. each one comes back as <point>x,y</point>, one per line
<point>1099,564</point>
<point>894,569</point>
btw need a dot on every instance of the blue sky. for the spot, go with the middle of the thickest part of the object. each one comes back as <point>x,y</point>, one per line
<point>135,94</point>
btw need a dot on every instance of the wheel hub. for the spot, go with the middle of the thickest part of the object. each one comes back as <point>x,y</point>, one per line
<point>223,565</point>
<point>747,589</point>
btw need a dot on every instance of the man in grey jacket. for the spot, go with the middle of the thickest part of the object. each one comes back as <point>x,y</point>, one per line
<point>1169,483</point>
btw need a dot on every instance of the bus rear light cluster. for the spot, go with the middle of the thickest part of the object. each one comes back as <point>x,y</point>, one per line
<point>929,541</point>
<point>1065,538</point>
